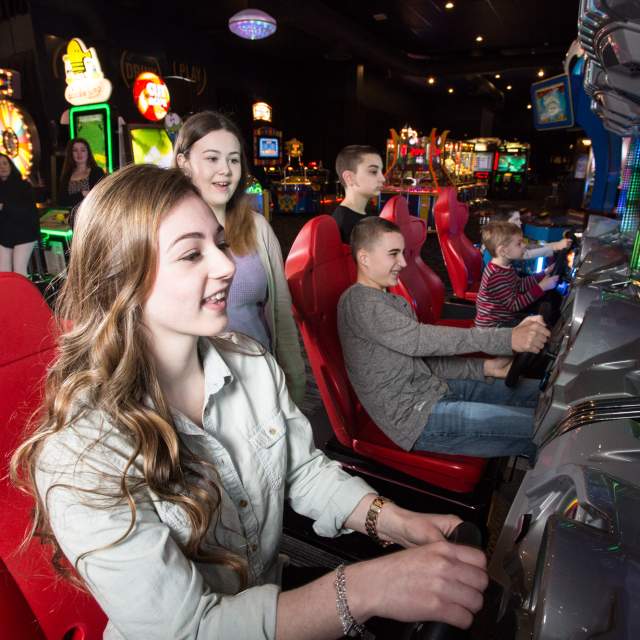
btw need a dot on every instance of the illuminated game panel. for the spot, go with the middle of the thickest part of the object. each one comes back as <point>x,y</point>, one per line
<point>151,145</point>
<point>15,137</point>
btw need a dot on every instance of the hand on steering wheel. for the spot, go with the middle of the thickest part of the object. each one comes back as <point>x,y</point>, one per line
<point>523,361</point>
<point>465,533</point>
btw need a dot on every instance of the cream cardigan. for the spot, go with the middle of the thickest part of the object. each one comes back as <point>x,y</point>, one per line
<point>285,343</point>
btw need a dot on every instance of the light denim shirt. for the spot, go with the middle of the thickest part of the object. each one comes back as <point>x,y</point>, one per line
<point>262,448</point>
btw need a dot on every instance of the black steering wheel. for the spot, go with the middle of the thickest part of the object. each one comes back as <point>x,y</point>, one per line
<point>465,533</point>
<point>561,265</point>
<point>522,361</point>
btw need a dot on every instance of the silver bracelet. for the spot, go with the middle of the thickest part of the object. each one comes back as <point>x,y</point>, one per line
<point>350,627</point>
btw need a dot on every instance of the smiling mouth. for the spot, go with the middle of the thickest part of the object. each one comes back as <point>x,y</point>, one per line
<point>216,298</point>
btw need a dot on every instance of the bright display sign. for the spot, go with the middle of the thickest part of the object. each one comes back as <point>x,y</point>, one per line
<point>86,83</point>
<point>552,105</point>
<point>151,96</point>
<point>261,111</point>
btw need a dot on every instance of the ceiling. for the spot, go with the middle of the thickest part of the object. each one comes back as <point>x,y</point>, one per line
<point>411,40</point>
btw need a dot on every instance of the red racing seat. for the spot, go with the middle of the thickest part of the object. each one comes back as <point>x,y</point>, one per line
<point>317,271</point>
<point>27,347</point>
<point>462,259</point>
<point>421,283</point>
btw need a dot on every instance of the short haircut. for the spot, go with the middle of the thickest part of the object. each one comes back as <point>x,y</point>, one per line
<point>367,231</point>
<point>496,234</point>
<point>350,157</point>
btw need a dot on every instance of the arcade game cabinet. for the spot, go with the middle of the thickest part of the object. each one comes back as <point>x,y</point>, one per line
<point>510,166</point>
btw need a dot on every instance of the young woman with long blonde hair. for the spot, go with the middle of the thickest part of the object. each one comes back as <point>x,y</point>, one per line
<point>165,448</point>
<point>209,149</point>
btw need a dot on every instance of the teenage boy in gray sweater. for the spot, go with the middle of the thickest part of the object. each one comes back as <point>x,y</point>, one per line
<point>403,372</point>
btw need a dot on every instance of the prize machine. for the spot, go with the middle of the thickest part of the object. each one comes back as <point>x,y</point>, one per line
<point>90,118</point>
<point>484,150</point>
<point>18,134</point>
<point>267,159</point>
<point>295,193</point>
<point>510,166</point>
<point>409,173</point>
<point>150,142</point>
<point>457,158</point>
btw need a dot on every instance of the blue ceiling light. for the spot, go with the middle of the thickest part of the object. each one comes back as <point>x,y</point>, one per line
<point>252,24</point>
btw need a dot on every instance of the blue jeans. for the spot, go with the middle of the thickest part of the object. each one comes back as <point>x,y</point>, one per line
<point>482,419</point>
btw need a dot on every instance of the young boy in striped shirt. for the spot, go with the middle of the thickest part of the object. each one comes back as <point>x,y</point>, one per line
<point>505,297</point>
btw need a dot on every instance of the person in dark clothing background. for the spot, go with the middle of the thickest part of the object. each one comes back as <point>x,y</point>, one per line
<point>19,225</point>
<point>79,175</point>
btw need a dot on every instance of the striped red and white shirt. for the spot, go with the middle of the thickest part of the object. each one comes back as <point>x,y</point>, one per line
<point>503,293</point>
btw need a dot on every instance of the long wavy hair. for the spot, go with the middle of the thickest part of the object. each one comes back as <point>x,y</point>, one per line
<point>69,164</point>
<point>239,227</point>
<point>104,359</point>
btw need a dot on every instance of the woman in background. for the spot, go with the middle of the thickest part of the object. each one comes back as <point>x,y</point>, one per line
<point>19,222</point>
<point>79,173</point>
<point>209,150</point>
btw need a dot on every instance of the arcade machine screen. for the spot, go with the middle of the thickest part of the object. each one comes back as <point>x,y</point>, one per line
<point>483,161</point>
<point>93,123</point>
<point>510,163</point>
<point>150,145</point>
<point>268,148</point>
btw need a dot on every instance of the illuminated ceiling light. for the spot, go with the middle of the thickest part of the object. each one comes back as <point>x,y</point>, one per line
<point>509,87</point>
<point>380,17</point>
<point>479,38</point>
<point>541,73</point>
<point>252,24</point>
<point>586,142</point>
<point>431,80</point>
<point>497,76</point>
<point>449,5</point>
<point>528,106</point>
<point>450,89</point>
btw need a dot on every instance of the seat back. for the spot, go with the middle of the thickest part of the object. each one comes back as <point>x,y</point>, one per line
<point>318,270</point>
<point>422,283</point>
<point>27,347</point>
<point>16,618</point>
<point>462,259</point>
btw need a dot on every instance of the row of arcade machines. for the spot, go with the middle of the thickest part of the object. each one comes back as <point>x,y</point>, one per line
<point>416,166</point>
<point>294,187</point>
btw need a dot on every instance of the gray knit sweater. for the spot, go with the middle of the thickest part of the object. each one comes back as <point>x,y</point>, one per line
<point>395,363</point>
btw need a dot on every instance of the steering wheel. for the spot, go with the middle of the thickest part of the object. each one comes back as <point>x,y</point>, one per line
<point>524,360</point>
<point>465,533</point>
<point>561,266</point>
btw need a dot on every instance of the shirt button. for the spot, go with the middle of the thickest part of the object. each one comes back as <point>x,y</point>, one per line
<point>272,431</point>
<point>243,503</point>
<point>254,547</point>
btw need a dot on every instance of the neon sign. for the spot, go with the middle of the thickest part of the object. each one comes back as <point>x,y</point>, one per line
<point>151,96</point>
<point>261,111</point>
<point>86,83</point>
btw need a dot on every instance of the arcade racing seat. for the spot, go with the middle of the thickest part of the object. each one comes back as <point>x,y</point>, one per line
<point>318,272</point>
<point>27,347</point>
<point>462,259</point>
<point>421,283</point>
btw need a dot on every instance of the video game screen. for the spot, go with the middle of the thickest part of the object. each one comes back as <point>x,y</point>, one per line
<point>92,127</point>
<point>268,148</point>
<point>151,145</point>
<point>482,161</point>
<point>512,163</point>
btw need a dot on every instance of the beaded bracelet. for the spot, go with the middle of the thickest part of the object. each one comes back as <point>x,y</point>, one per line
<point>350,627</point>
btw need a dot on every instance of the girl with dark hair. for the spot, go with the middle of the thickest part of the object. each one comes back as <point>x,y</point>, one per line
<point>79,174</point>
<point>19,221</point>
<point>210,151</point>
<point>165,449</point>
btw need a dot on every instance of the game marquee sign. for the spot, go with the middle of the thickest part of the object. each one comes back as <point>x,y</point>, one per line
<point>86,83</point>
